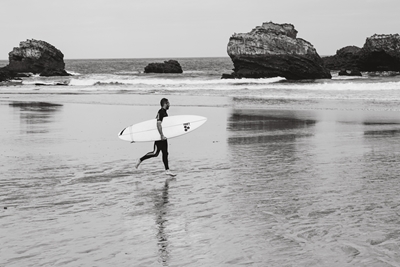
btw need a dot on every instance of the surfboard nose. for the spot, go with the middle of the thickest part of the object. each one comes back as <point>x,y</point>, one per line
<point>121,132</point>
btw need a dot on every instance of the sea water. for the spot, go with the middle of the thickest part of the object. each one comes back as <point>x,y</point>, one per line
<point>282,174</point>
<point>202,76</point>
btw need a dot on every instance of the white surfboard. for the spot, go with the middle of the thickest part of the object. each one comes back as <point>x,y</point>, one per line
<point>172,126</point>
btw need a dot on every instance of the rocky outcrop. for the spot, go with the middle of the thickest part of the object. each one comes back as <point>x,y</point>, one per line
<point>170,66</point>
<point>346,58</point>
<point>273,50</point>
<point>6,75</point>
<point>36,57</point>
<point>351,73</point>
<point>381,52</point>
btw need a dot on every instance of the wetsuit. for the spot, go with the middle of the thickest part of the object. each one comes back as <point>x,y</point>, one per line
<point>161,145</point>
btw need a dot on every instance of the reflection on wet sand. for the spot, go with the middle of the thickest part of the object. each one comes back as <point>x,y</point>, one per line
<point>259,126</point>
<point>161,214</point>
<point>265,143</point>
<point>36,114</point>
<point>317,181</point>
<point>36,106</point>
<point>380,133</point>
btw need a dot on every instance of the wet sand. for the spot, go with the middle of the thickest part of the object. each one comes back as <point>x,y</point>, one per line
<point>255,187</point>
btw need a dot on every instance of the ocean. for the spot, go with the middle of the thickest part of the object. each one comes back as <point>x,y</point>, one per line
<point>283,173</point>
<point>202,77</point>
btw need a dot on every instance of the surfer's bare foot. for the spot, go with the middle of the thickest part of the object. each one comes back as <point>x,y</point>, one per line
<point>138,163</point>
<point>168,172</point>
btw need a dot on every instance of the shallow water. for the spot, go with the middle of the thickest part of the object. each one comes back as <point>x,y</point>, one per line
<point>255,187</point>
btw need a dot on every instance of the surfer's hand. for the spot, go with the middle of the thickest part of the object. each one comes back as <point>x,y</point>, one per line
<point>163,137</point>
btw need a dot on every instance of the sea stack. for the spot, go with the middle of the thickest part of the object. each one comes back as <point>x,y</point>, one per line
<point>273,50</point>
<point>170,66</point>
<point>38,57</point>
<point>381,52</point>
<point>346,58</point>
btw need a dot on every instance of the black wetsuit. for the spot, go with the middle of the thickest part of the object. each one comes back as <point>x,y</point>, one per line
<point>161,145</point>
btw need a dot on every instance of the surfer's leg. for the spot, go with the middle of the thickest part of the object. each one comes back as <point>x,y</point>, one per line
<point>164,150</point>
<point>151,154</point>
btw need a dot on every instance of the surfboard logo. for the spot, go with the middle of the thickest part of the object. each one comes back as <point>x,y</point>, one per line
<point>186,126</point>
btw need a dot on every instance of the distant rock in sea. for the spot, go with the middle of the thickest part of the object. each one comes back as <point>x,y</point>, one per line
<point>273,50</point>
<point>351,73</point>
<point>381,52</point>
<point>346,58</point>
<point>170,66</point>
<point>35,56</point>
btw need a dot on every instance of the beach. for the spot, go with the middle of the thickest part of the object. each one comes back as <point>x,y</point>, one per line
<point>297,164</point>
<point>282,184</point>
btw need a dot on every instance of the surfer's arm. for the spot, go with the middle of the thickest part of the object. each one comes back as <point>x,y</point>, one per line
<point>159,128</point>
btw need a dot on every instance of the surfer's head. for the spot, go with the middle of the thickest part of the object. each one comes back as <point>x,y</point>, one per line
<point>164,103</point>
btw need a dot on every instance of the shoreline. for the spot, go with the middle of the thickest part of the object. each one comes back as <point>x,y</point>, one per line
<point>188,100</point>
<point>117,98</point>
<point>132,108</point>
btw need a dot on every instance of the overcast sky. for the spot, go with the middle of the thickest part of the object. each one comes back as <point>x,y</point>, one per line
<point>186,28</point>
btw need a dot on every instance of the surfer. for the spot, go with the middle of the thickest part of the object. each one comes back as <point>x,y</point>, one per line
<point>161,145</point>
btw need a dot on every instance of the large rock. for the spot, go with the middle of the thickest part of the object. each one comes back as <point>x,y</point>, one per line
<point>346,58</point>
<point>6,75</point>
<point>170,66</point>
<point>381,52</point>
<point>273,50</point>
<point>38,57</point>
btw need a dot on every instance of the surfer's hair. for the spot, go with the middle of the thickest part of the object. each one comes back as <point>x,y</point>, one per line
<point>163,101</point>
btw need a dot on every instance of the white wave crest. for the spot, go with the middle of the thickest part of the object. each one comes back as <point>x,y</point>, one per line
<point>170,82</point>
<point>73,73</point>
<point>340,86</point>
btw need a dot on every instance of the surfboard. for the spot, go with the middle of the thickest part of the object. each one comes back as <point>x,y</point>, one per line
<point>173,126</point>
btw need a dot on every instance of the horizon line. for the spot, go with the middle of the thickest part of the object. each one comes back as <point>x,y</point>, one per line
<point>183,57</point>
<point>6,59</point>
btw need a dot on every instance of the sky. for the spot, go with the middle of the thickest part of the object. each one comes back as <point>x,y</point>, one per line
<point>86,29</point>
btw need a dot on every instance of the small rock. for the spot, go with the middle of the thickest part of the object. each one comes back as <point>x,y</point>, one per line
<point>170,66</point>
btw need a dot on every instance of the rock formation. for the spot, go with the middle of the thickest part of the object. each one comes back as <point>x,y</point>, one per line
<point>6,75</point>
<point>346,58</point>
<point>170,66</point>
<point>379,53</point>
<point>273,50</point>
<point>344,72</point>
<point>37,57</point>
